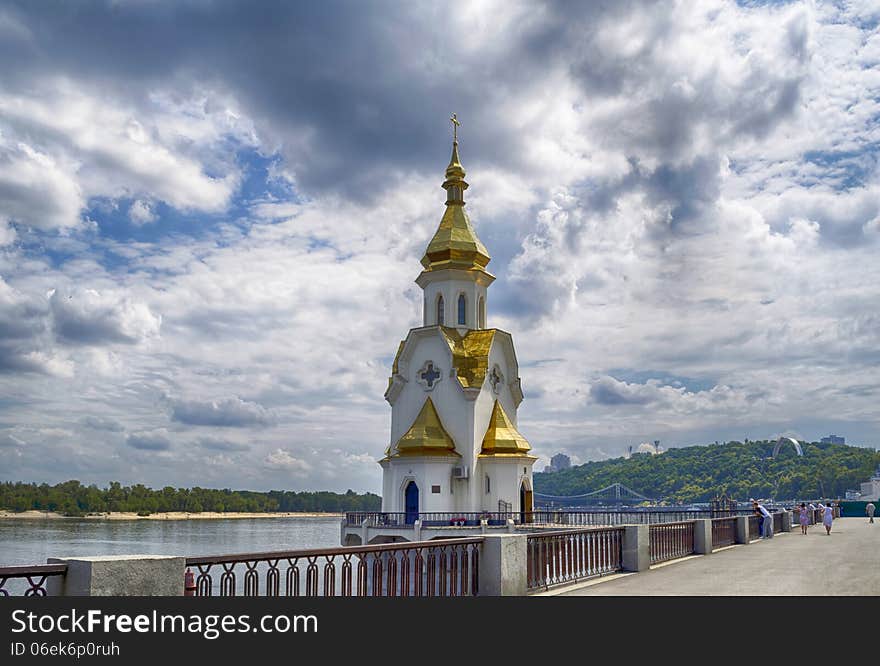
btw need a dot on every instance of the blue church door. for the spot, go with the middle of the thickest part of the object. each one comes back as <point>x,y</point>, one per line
<point>412,502</point>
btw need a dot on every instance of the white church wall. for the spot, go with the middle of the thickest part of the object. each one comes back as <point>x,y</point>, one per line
<point>428,474</point>
<point>446,394</point>
<point>505,479</point>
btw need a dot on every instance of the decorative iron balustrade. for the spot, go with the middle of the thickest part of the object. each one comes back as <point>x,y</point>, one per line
<point>35,575</point>
<point>670,541</point>
<point>443,568</point>
<point>554,558</point>
<point>723,532</point>
<point>585,518</point>
<point>428,518</point>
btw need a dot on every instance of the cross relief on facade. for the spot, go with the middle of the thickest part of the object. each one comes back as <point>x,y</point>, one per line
<point>495,378</point>
<point>429,375</point>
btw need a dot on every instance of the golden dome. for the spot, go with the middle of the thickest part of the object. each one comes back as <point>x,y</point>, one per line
<point>455,244</point>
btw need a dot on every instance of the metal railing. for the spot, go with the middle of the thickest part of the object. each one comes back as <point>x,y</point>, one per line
<point>670,541</point>
<point>777,523</point>
<point>574,518</point>
<point>755,527</point>
<point>448,567</point>
<point>35,575</point>
<point>723,532</point>
<point>428,518</point>
<point>554,558</point>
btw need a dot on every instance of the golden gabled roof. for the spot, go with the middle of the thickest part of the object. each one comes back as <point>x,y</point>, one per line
<point>455,244</point>
<point>470,354</point>
<point>426,436</point>
<point>501,437</point>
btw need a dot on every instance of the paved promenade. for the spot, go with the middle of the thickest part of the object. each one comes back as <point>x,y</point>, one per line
<point>845,563</point>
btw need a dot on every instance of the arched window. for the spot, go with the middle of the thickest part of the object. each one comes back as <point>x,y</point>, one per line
<point>462,310</point>
<point>488,485</point>
<point>482,312</point>
<point>440,319</point>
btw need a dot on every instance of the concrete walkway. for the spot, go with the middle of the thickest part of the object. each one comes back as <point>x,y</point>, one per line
<point>845,563</point>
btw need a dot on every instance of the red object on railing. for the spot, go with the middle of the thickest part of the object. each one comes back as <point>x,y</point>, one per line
<point>189,583</point>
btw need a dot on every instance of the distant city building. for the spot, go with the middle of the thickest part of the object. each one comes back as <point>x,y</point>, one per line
<point>560,462</point>
<point>870,490</point>
<point>647,447</point>
<point>833,439</point>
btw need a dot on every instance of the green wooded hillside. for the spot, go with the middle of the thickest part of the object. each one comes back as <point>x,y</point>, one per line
<point>74,499</point>
<point>742,470</point>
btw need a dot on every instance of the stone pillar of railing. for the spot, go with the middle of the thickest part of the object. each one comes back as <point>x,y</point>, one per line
<point>703,536</point>
<point>417,530</point>
<point>119,576</point>
<point>503,565</point>
<point>786,521</point>
<point>742,529</point>
<point>365,532</point>
<point>636,547</point>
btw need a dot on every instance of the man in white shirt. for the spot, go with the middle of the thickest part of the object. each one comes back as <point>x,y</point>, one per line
<point>869,509</point>
<point>767,523</point>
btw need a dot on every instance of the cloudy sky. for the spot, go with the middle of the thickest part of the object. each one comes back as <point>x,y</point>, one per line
<point>212,214</point>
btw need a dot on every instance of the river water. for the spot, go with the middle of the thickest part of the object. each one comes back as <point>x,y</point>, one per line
<point>32,541</point>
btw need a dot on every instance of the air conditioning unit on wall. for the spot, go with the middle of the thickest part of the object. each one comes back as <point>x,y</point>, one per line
<point>459,472</point>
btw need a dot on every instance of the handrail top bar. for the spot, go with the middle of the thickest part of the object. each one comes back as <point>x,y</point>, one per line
<point>33,570</point>
<point>338,550</point>
<point>581,530</point>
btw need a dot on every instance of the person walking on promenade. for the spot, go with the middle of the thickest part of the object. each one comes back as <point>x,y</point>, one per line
<point>827,518</point>
<point>804,518</point>
<point>869,510</point>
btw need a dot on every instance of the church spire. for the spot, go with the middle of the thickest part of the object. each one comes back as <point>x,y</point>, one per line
<point>455,184</point>
<point>455,245</point>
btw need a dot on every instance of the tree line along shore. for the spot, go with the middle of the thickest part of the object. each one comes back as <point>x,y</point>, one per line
<point>738,469</point>
<point>73,499</point>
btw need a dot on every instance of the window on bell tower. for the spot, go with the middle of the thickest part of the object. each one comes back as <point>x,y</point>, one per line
<point>482,310</point>
<point>462,310</point>
<point>440,318</point>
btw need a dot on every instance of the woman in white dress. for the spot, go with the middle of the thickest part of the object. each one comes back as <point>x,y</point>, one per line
<point>827,517</point>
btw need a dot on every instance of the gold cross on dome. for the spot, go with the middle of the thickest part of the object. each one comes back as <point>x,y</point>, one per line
<point>455,123</point>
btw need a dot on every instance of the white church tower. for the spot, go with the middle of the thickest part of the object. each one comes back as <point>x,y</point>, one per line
<point>454,387</point>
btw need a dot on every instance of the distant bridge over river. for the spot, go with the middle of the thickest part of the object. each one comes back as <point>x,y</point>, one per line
<point>616,494</point>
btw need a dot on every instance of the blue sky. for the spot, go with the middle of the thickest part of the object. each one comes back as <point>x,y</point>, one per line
<point>211,218</point>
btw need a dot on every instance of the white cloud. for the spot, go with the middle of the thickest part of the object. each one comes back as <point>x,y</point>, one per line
<point>282,460</point>
<point>37,189</point>
<point>86,316</point>
<point>150,440</point>
<point>141,212</point>
<point>62,144</point>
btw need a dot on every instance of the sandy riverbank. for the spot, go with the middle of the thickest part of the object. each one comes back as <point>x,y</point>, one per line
<point>170,515</point>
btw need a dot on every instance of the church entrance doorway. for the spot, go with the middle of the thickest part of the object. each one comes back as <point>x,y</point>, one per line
<point>525,504</point>
<point>411,502</point>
